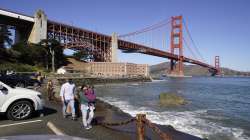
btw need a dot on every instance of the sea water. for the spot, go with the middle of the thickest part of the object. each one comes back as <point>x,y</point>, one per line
<point>217,107</point>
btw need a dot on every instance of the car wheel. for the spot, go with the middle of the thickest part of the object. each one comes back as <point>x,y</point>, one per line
<point>20,110</point>
<point>19,84</point>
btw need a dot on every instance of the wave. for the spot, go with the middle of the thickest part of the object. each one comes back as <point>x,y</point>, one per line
<point>190,122</point>
<point>159,80</point>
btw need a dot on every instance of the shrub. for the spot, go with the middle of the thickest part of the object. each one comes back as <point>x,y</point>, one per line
<point>17,67</point>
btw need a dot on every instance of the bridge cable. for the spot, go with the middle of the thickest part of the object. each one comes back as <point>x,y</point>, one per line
<point>149,28</point>
<point>195,46</point>
<point>189,48</point>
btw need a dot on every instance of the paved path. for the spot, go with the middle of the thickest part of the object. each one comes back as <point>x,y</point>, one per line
<point>37,125</point>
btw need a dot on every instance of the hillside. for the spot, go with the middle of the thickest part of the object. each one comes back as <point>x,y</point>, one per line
<point>192,70</point>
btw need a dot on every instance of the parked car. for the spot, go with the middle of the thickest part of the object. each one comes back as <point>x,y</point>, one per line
<point>14,80</point>
<point>19,103</point>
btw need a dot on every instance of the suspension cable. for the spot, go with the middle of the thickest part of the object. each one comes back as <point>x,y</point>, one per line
<point>194,44</point>
<point>149,28</point>
<point>189,48</point>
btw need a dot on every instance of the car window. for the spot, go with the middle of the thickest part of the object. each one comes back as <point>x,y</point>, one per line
<point>2,87</point>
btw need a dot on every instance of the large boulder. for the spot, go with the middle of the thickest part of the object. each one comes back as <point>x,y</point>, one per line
<point>171,99</point>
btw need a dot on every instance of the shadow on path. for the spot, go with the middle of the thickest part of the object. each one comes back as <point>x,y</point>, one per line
<point>48,111</point>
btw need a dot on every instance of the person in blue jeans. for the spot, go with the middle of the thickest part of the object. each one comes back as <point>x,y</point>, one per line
<point>87,107</point>
<point>67,95</point>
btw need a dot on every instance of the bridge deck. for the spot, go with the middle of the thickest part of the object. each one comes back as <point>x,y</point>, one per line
<point>126,45</point>
<point>16,15</point>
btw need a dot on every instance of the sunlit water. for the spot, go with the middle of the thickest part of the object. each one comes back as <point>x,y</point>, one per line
<point>218,108</point>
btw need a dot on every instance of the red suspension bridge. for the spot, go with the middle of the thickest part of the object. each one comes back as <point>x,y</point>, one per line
<point>177,40</point>
<point>151,40</point>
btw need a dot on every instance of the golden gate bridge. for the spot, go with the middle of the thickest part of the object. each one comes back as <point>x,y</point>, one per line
<point>151,40</point>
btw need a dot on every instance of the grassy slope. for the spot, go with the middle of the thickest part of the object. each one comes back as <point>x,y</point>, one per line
<point>193,70</point>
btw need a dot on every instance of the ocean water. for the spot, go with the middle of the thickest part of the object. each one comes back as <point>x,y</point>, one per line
<point>217,108</point>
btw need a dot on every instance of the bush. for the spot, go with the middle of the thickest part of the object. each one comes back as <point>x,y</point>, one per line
<point>17,67</point>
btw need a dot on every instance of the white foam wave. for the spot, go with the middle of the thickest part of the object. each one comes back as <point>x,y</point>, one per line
<point>158,81</point>
<point>187,121</point>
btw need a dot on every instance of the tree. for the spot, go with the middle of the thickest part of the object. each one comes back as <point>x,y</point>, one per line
<point>25,53</point>
<point>54,53</point>
<point>32,54</point>
<point>38,55</point>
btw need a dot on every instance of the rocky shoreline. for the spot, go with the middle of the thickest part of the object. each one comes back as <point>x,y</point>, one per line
<point>106,112</point>
<point>118,114</point>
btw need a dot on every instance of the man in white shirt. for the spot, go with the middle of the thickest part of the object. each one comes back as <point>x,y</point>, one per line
<point>67,94</point>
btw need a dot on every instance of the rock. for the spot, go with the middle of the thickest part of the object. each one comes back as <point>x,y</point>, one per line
<point>170,99</point>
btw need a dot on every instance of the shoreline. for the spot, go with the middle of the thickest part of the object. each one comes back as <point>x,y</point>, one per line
<point>100,80</point>
<point>109,113</point>
<point>176,135</point>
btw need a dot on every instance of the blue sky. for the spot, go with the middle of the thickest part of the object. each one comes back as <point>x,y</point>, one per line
<point>218,27</point>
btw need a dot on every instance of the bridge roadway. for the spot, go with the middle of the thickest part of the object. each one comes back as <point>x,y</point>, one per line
<point>126,46</point>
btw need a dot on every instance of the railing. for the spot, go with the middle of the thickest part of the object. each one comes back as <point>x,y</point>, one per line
<point>141,122</point>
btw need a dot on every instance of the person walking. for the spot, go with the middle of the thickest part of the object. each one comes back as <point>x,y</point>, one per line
<point>67,95</point>
<point>50,90</point>
<point>91,102</point>
<point>86,109</point>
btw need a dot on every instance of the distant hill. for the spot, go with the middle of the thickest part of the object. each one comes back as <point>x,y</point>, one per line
<point>192,70</point>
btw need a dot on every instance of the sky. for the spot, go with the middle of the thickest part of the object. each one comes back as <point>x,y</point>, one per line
<point>218,27</point>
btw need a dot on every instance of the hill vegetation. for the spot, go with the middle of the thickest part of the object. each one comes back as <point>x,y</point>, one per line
<point>23,56</point>
<point>192,70</point>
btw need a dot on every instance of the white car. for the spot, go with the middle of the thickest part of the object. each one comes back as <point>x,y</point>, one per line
<point>19,103</point>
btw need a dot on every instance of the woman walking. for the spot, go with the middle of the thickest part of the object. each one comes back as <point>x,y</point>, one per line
<point>90,94</point>
<point>50,90</point>
<point>87,109</point>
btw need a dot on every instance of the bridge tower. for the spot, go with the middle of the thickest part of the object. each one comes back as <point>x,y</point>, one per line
<point>217,65</point>
<point>114,47</point>
<point>39,29</point>
<point>176,67</point>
